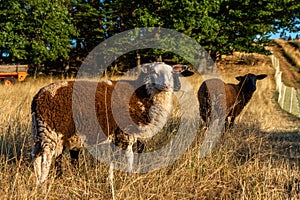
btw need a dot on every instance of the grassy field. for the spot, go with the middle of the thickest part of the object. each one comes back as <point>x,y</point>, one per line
<point>258,159</point>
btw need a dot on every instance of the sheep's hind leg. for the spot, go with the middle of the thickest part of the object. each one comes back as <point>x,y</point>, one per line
<point>42,164</point>
<point>58,161</point>
<point>58,166</point>
<point>140,146</point>
<point>47,145</point>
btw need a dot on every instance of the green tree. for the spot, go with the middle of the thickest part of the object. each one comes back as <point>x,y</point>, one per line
<point>223,26</point>
<point>36,30</point>
<point>90,21</point>
<point>40,31</point>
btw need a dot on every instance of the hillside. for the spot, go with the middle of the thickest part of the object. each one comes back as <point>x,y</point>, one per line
<point>288,52</point>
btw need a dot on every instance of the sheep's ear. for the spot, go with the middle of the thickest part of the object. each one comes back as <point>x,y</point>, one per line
<point>147,67</point>
<point>239,78</point>
<point>183,69</point>
<point>261,76</point>
<point>179,68</point>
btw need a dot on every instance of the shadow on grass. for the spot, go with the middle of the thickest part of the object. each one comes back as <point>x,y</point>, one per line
<point>277,146</point>
<point>284,146</point>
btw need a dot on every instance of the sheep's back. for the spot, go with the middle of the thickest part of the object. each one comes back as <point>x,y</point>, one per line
<point>52,106</point>
<point>211,96</point>
<point>117,106</point>
<point>57,104</point>
<point>106,105</point>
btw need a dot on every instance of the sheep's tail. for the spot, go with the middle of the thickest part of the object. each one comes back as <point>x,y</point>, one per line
<point>45,146</point>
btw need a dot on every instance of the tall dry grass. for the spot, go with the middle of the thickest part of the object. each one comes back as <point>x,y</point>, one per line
<point>289,56</point>
<point>291,51</point>
<point>249,163</point>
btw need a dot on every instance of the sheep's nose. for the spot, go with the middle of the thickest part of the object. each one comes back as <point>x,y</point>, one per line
<point>253,88</point>
<point>167,86</point>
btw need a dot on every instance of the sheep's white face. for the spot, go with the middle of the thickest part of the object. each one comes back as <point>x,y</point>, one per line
<point>161,77</point>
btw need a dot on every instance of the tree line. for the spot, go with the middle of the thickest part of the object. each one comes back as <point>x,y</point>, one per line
<point>59,34</point>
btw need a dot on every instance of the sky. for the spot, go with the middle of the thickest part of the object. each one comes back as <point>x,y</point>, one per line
<point>277,35</point>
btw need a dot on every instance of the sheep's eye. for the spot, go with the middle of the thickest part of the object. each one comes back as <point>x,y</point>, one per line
<point>155,73</point>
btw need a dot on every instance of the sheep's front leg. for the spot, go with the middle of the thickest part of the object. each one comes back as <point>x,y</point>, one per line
<point>229,122</point>
<point>129,156</point>
<point>111,179</point>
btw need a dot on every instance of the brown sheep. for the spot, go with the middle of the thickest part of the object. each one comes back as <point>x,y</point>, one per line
<point>61,112</point>
<point>237,96</point>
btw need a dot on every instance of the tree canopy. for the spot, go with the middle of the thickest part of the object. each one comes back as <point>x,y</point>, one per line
<point>43,31</point>
<point>36,31</point>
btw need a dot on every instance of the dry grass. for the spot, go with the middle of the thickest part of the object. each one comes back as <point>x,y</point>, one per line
<point>289,56</point>
<point>291,51</point>
<point>258,159</point>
